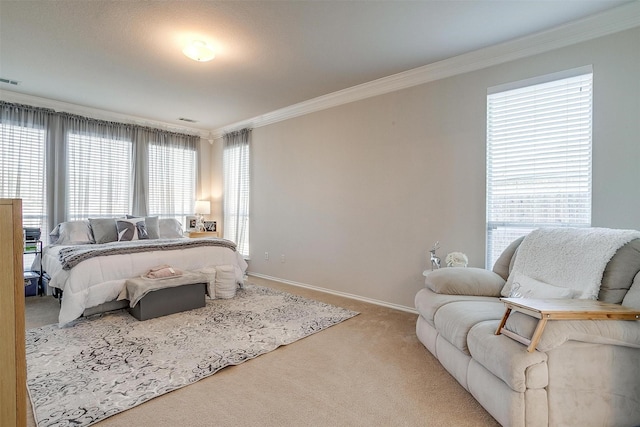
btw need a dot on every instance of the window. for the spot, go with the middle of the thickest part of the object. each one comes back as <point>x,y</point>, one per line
<point>22,171</point>
<point>172,181</point>
<point>99,177</point>
<point>236,189</point>
<point>538,157</point>
<point>67,167</point>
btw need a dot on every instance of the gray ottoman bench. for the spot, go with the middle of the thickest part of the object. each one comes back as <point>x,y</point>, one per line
<point>149,298</point>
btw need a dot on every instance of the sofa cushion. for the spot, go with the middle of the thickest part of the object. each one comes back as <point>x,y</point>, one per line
<point>428,302</point>
<point>619,273</point>
<point>502,266</point>
<point>465,281</point>
<point>507,359</point>
<point>454,320</point>
<point>632,298</point>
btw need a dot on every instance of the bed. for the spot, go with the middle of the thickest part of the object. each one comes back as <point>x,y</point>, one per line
<point>89,268</point>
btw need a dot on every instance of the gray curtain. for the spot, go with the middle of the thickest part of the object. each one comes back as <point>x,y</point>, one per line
<point>236,167</point>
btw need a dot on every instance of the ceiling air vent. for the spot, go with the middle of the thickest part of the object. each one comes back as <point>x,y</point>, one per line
<point>184,119</point>
<point>9,81</point>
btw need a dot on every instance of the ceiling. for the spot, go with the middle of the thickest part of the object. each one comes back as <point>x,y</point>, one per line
<point>125,56</point>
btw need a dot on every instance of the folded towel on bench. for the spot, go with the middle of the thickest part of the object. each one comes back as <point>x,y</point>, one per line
<point>162,271</point>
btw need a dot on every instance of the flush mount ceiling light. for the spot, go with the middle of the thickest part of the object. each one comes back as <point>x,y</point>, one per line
<point>199,51</point>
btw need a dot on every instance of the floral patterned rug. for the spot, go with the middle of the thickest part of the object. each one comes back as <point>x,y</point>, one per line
<point>99,366</point>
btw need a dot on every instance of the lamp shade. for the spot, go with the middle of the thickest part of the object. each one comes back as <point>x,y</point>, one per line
<point>203,207</point>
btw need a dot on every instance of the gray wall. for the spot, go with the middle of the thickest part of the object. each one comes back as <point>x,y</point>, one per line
<point>354,196</point>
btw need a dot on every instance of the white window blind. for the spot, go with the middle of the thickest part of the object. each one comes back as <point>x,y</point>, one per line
<point>236,197</point>
<point>22,171</point>
<point>538,159</point>
<point>172,181</point>
<point>98,177</point>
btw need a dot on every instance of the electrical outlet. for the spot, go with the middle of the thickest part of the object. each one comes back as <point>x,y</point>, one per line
<point>282,258</point>
<point>266,256</point>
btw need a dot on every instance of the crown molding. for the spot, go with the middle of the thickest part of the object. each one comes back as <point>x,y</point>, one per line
<point>95,113</point>
<point>612,21</point>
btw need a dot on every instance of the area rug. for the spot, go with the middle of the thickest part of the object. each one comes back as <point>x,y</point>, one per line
<point>102,365</point>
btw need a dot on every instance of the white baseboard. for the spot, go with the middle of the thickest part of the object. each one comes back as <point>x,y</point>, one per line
<point>341,294</point>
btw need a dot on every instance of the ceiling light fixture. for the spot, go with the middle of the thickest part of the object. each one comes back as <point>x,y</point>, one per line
<point>199,51</point>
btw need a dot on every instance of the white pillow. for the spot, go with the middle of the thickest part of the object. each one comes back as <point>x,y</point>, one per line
<point>71,233</point>
<point>225,282</point>
<point>527,287</point>
<point>131,229</point>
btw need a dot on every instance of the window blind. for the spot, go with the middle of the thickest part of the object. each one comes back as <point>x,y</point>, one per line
<point>172,181</point>
<point>98,177</point>
<point>22,171</point>
<point>538,159</point>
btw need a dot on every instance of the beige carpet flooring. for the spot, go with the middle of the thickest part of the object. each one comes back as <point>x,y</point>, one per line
<point>370,370</point>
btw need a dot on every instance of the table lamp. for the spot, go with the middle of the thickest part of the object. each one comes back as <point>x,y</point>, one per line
<point>203,207</point>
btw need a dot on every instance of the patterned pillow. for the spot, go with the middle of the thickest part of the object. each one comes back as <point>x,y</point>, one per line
<point>131,229</point>
<point>151,223</point>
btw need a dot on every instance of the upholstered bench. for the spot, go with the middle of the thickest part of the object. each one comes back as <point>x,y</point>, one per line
<point>149,298</point>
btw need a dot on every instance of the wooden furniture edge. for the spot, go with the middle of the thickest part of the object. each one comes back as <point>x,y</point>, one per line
<point>13,410</point>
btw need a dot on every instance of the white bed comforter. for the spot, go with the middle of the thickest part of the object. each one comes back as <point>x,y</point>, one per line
<point>98,280</point>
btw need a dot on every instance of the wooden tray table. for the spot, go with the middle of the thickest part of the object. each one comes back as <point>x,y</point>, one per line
<point>560,309</point>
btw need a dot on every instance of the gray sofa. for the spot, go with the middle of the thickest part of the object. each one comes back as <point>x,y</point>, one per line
<point>583,373</point>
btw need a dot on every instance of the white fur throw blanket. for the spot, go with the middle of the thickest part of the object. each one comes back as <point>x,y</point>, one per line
<point>573,258</point>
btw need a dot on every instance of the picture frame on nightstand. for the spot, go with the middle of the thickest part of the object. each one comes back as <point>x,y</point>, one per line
<point>210,226</point>
<point>191,221</point>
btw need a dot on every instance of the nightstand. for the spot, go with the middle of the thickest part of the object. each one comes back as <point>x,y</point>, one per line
<point>34,247</point>
<point>196,234</point>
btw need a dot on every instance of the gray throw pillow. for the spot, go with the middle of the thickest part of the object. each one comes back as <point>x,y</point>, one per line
<point>104,230</point>
<point>170,228</point>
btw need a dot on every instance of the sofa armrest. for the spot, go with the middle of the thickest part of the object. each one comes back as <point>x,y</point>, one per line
<point>465,281</point>
<point>614,332</point>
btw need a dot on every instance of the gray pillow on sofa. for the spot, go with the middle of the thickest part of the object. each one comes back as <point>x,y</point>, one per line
<point>619,273</point>
<point>465,281</point>
<point>503,264</point>
<point>632,298</point>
